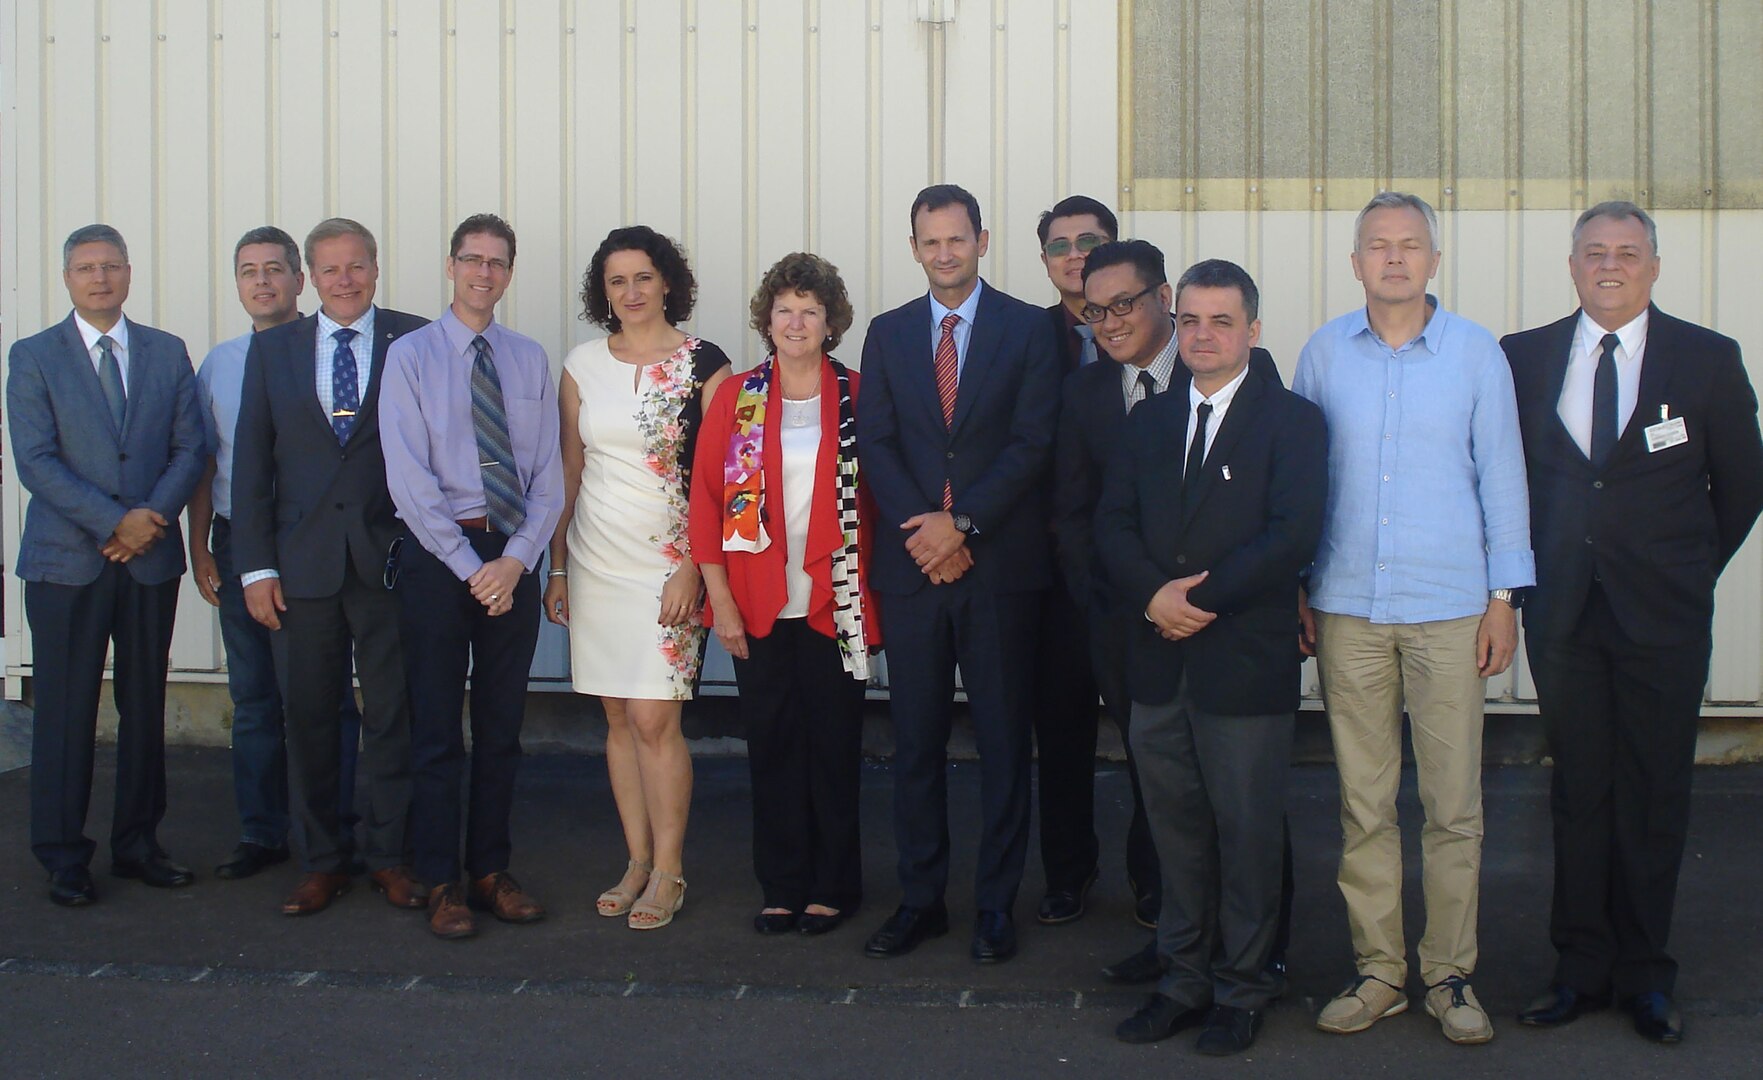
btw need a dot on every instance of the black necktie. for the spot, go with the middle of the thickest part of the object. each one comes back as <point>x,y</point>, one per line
<point>1149,384</point>
<point>1604,426</point>
<point>1190,477</point>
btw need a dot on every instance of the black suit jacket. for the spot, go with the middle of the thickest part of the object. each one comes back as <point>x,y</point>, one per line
<point>1253,531</point>
<point>995,454</point>
<point>302,504</point>
<point>1092,420</point>
<point>1655,528</point>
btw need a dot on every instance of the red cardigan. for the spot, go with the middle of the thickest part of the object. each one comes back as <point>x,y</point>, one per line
<point>757,579</point>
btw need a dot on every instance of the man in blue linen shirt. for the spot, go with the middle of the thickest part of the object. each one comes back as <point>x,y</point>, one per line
<point>1427,536</point>
<point>468,421</point>
<point>266,269</point>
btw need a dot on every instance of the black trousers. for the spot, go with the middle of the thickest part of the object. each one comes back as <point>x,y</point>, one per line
<point>1621,720</point>
<point>1106,642</point>
<point>991,636</point>
<point>71,627</point>
<point>311,656</point>
<point>804,721</point>
<point>1065,722</point>
<point>444,630</point>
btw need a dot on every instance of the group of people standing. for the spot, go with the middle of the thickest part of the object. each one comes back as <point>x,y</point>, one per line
<point>1120,478</point>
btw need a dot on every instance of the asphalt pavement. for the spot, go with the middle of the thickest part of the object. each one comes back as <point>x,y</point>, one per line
<point>212,980</point>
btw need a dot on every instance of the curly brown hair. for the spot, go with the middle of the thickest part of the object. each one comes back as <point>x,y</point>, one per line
<point>803,273</point>
<point>682,287</point>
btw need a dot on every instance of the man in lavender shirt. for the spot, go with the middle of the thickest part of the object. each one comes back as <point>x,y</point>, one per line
<point>468,421</point>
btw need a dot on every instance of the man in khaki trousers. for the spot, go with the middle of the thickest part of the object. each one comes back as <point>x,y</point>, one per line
<point>1411,598</point>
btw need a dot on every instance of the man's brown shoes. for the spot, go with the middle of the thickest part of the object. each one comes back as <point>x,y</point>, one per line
<point>448,916</point>
<point>315,893</point>
<point>503,897</point>
<point>402,890</point>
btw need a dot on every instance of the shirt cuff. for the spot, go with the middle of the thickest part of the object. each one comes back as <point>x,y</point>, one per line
<point>255,576</point>
<point>527,551</point>
<point>1511,569</point>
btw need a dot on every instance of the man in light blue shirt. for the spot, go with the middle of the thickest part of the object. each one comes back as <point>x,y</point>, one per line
<point>1411,598</point>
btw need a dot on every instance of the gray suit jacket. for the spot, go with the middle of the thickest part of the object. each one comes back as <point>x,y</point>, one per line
<point>83,474</point>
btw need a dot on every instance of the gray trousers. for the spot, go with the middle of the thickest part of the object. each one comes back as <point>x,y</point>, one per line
<point>1215,794</point>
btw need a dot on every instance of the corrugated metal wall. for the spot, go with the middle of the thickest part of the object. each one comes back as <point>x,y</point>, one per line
<point>747,128</point>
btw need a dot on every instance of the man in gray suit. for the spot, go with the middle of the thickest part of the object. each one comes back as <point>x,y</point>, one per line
<point>108,440</point>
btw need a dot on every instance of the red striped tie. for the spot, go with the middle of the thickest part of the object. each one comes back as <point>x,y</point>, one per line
<point>948,365</point>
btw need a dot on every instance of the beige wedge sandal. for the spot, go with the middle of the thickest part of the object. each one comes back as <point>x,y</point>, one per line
<point>619,899</point>
<point>648,913</point>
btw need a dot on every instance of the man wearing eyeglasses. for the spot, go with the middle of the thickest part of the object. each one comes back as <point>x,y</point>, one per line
<point>468,420</point>
<point>108,440</point>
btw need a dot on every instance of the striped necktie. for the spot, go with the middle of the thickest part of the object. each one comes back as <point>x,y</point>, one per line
<point>504,506</point>
<point>948,376</point>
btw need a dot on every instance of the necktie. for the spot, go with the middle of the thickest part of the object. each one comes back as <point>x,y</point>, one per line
<point>506,509</point>
<point>1604,426</point>
<point>110,378</point>
<point>345,386</point>
<point>1190,476</point>
<point>1087,355</point>
<point>1148,383</point>
<point>948,365</point>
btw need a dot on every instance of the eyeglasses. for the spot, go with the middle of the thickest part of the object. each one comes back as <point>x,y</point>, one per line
<point>475,261</point>
<point>90,269</point>
<point>1095,313</point>
<point>1085,243</point>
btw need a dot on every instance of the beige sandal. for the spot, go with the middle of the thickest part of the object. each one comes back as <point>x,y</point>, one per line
<point>647,913</point>
<point>618,900</point>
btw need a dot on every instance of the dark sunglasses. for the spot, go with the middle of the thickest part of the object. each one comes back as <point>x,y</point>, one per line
<point>1085,243</point>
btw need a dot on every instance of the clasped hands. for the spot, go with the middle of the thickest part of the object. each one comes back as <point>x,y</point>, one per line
<point>1173,615</point>
<point>494,583</point>
<point>937,546</point>
<point>135,534</point>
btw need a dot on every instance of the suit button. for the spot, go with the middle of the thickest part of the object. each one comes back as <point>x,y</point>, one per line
<point>1589,540</point>
<point>1599,484</point>
<point>344,456</point>
<point>339,506</point>
<point>122,457</point>
<point>116,498</point>
<point>950,454</point>
<point>1181,560</point>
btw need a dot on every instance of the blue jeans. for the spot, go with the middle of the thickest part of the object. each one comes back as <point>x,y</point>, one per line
<point>260,759</point>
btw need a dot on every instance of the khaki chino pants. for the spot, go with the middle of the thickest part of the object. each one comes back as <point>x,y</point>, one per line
<point>1367,669</point>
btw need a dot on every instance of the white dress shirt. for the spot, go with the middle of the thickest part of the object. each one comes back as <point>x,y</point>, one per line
<point>1575,406</point>
<point>1220,402</point>
<point>118,334</point>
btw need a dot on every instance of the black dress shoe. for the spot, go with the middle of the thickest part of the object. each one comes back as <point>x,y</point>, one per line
<point>1656,1017</point>
<point>905,929</point>
<point>774,922</point>
<point>71,886</point>
<point>1065,905</point>
<point>994,937</point>
<point>1158,1018</point>
<point>1228,1030</point>
<point>248,859</point>
<point>1559,1004</point>
<point>1143,966</point>
<point>813,925</point>
<point>156,870</point>
<point>1146,909</point>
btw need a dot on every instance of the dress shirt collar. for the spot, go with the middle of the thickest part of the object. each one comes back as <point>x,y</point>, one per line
<point>1161,367</point>
<point>460,336</point>
<point>1221,398</point>
<point>1633,335</point>
<point>90,334</point>
<point>1432,335</point>
<point>363,327</point>
<point>969,307</point>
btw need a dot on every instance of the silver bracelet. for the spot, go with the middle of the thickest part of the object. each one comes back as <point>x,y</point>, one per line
<point>557,573</point>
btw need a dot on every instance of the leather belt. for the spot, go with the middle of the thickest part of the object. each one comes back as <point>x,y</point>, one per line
<point>482,524</point>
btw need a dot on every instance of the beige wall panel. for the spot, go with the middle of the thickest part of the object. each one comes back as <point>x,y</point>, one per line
<point>1027,50</point>
<point>240,164</point>
<point>839,229</point>
<point>303,144</point>
<point>532,158</point>
<point>654,111</point>
<point>1738,613</point>
<point>1090,154</point>
<point>899,79</point>
<point>479,112</point>
<point>728,176</point>
<point>420,131</point>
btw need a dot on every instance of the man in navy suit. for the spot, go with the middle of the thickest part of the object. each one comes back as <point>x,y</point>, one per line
<point>1646,473</point>
<point>960,398</point>
<point>313,526</point>
<point>108,439</point>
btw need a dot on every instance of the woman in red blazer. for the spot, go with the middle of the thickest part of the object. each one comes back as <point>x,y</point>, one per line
<point>780,533</point>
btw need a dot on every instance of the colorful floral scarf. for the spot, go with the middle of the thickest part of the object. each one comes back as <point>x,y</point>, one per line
<point>743,473</point>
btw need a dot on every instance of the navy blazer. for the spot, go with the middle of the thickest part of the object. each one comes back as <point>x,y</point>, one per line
<point>995,454</point>
<point>303,505</point>
<point>1656,528</point>
<point>1092,420</point>
<point>1254,523</point>
<point>82,472</point>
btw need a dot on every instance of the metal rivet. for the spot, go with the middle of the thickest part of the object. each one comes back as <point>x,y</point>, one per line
<point>569,30</point>
<point>1448,191</point>
<point>1514,193</point>
<point>630,29</point>
<point>814,29</point>
<point>1126,187</point>
<point>277,34</point>
<point>1000,26</point>
<point>1318,189</point>
<point>334,33</point>
<point>218,37</point>
<point>161,37</point>
<point>104,37</point>
<point>50,39</point>
<point>752,26</point>
<point>511,29</point>
<point>451,31</point>
<point>1064,26</point>
<point>393,33</point>
<point>692,28</point>
<point>872,26</point>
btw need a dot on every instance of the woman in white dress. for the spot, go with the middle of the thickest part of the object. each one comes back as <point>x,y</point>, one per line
<point>631,406</point>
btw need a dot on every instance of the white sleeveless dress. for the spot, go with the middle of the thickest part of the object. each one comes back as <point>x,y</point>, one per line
<point>628,534</point>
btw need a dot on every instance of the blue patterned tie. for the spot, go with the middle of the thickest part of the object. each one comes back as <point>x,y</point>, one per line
<point>110,379</point>
<point>345,386</point>
<point>1087,355</point>
<point>505,507</point>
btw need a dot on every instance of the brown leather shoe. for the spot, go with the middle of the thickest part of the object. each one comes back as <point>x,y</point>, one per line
<point>503,897</point>
<point>402,890</point>
<point>448,916</point>
<point>315,893</point>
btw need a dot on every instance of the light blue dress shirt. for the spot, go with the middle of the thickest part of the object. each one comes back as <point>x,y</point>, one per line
<point>325,351</point>
<point>220,382</point>
<point>1427,504</point>
<point>963,329</point>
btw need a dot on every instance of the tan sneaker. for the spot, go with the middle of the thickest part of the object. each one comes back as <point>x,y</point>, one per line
<point>1452,1003</point>
<point>1362,1004</point>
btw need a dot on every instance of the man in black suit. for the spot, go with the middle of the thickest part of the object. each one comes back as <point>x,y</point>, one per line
<point>312,527</point>
<point>1646,473</point>
<point>1206,546</point>
<point>960,396</point>
<point>108,440</point>
<point>1065,687</point>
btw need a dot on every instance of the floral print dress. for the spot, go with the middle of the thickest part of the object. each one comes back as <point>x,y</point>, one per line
<point>628,534</point>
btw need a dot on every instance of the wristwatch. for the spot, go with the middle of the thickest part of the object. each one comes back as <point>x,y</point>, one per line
<point>963,523</point>
<point>1513,597</point>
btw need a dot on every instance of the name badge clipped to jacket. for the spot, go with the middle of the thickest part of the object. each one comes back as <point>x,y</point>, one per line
<point>1668,432</point>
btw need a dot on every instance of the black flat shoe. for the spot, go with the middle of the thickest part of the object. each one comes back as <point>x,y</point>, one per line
<point>814,925</point>
<point>1158,1018</point>
<point>1559,1004</point>
<point>1229,1030</point>
<point>1141,967</point>
<point>994,937</point>
<point>156,870</point>
<point>248,858</point>
<point>1065,905</point>
<point>906,929</point>
<point>774,922</point>
<point>1656,1018</point>
<point>71,886</point>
